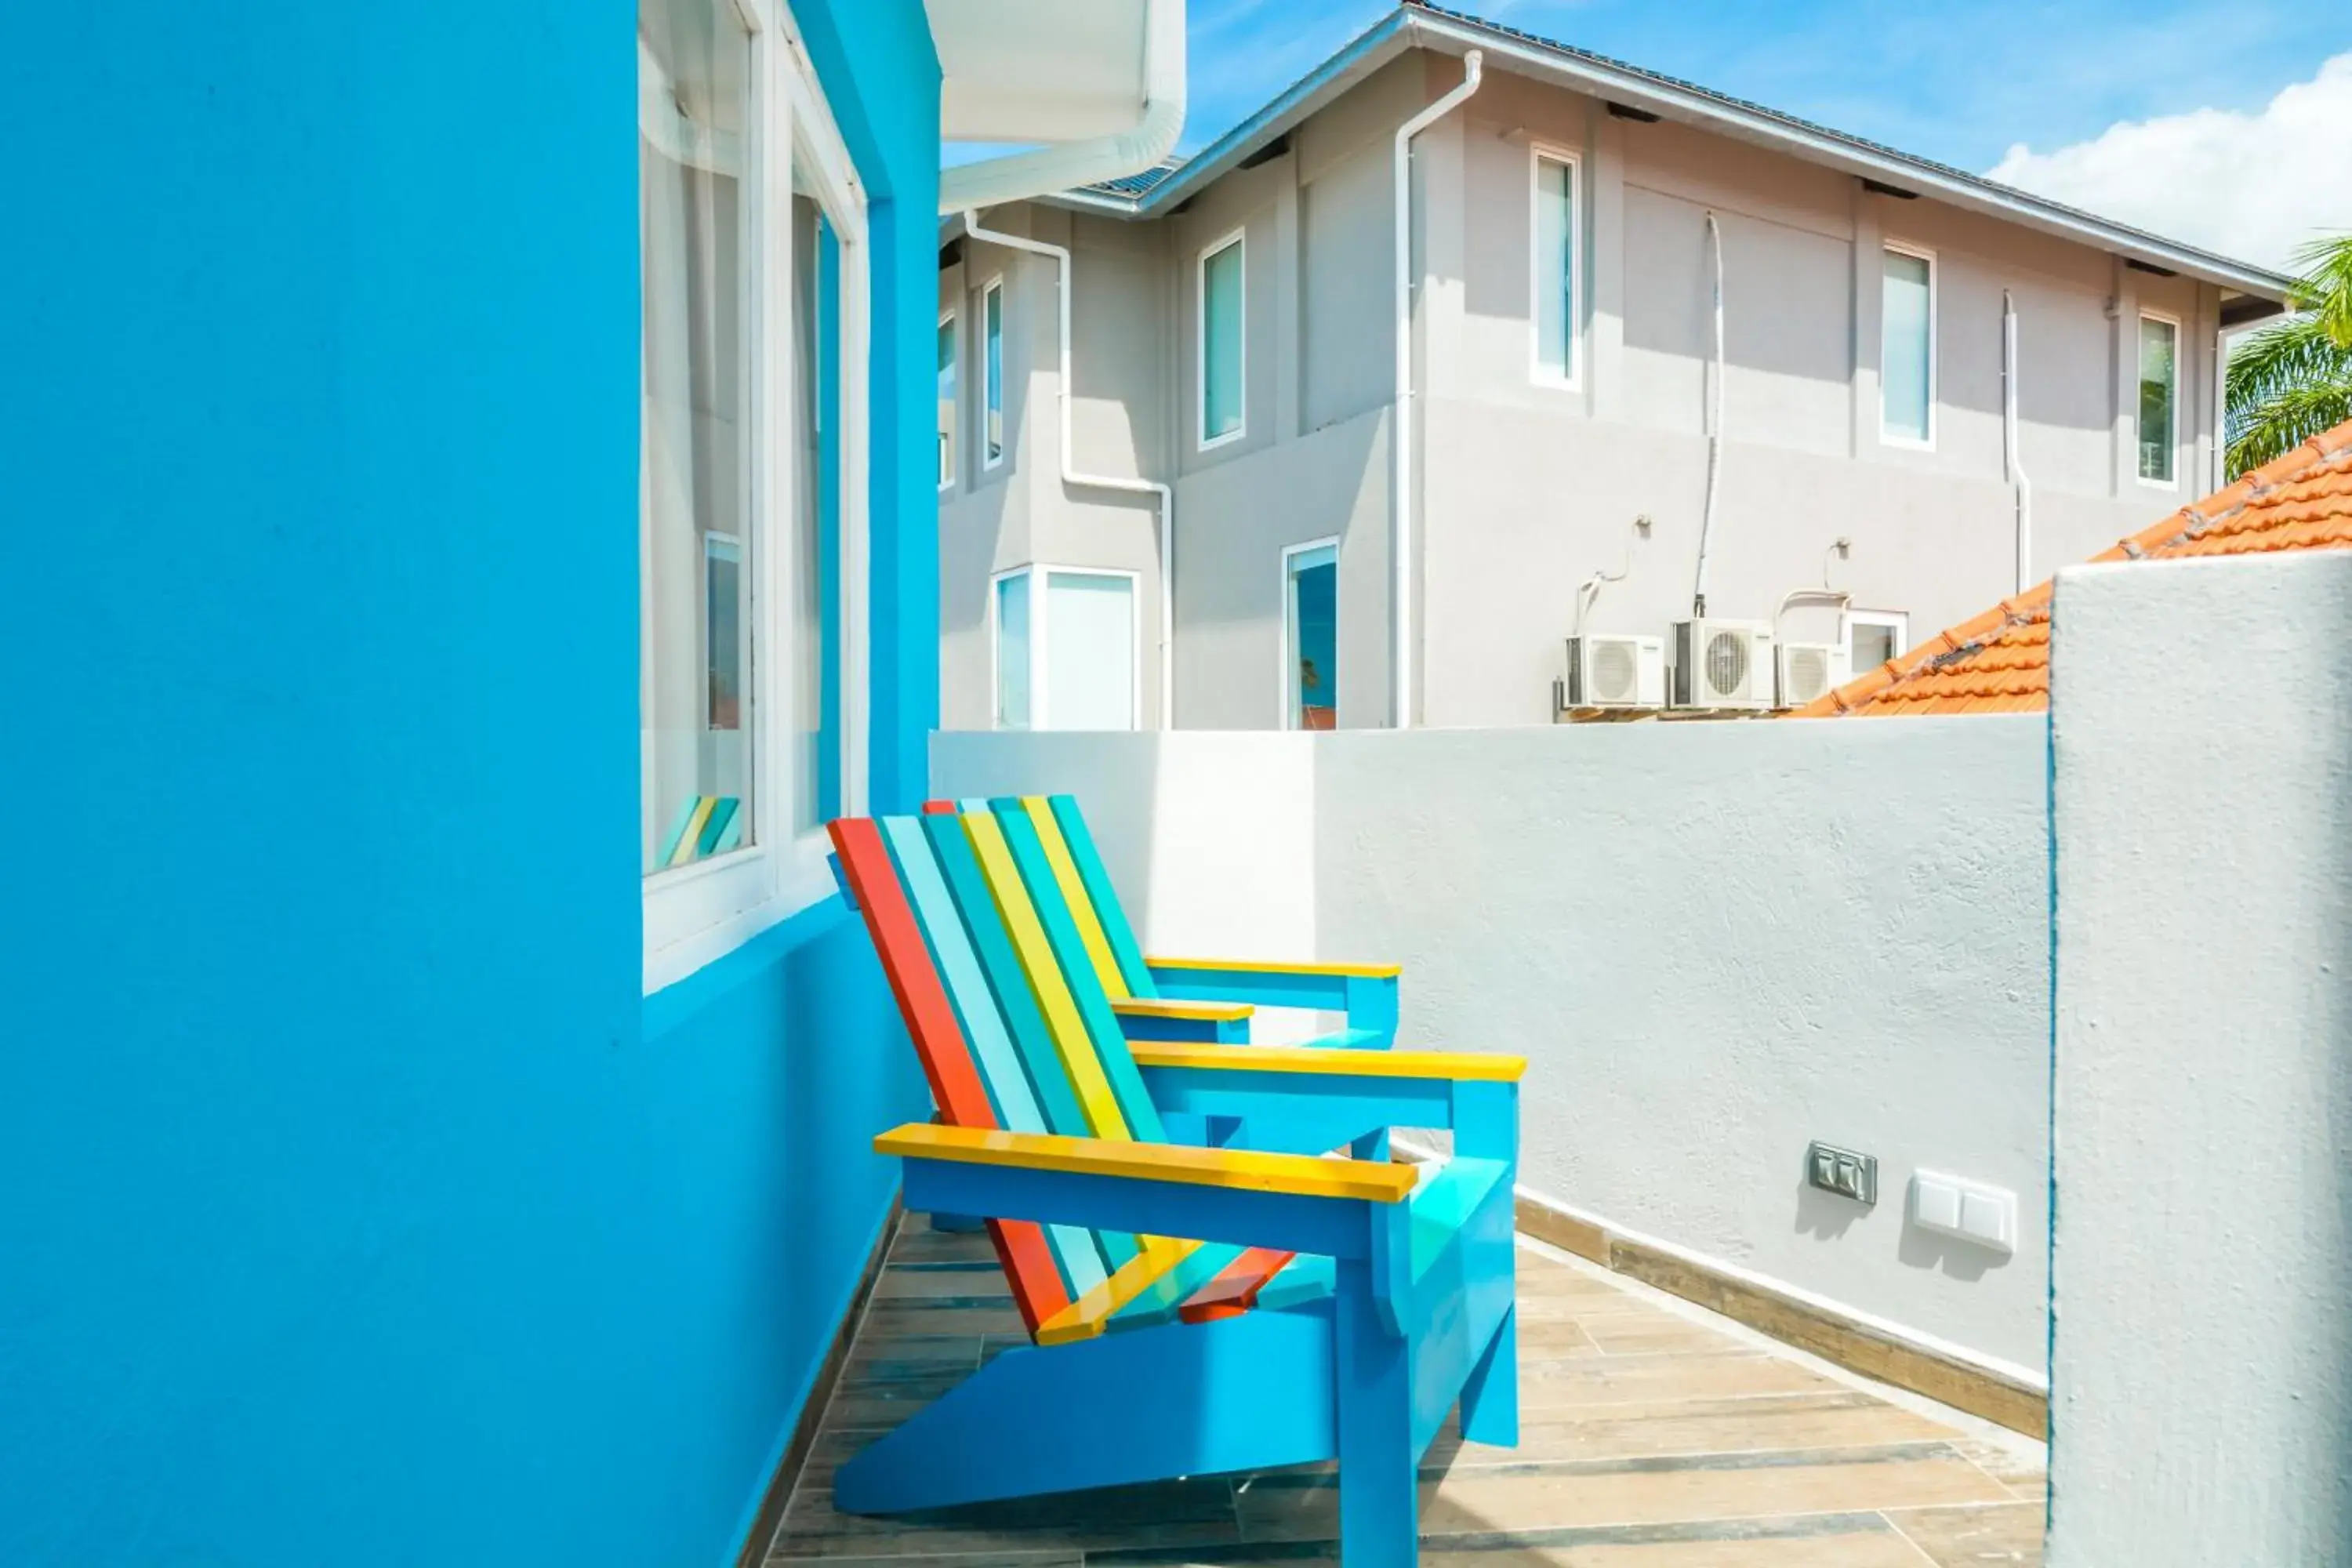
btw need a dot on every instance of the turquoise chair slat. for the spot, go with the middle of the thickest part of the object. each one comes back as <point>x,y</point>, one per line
<point>1078,971</point>
<point>1158,1303</point>
<point>1002,1071</point>
<point>1096,878</point>
<point>1008,987</point>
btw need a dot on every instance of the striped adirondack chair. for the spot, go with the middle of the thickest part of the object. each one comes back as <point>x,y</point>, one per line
<point>1186,998</point>
<point>1193,1309</point>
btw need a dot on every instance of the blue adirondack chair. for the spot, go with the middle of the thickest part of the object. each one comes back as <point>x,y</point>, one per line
<point>1207,1308</point>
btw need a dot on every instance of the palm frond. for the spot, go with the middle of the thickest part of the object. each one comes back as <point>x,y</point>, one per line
<point>2281,423</point>
<point>2325,287</point>
<point>2290,381</point>
<point>2291,354</point>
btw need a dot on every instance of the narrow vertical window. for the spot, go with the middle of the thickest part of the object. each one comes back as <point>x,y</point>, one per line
<point>1012,650</point>
<point>1554,282</point>
<point>947,400</point>
<point>697,224</point>
<point>2159,387</point>
<point>1906,360</point>
<point>1089,651</point>
<point>993,370</point>
<point>1221,308</point>
<point>1310,582</point>
<point>812,538</point>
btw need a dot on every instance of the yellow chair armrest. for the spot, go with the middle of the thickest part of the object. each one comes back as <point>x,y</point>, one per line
<point>1298,1175</point>
<point>1256,966</point>
<point>1195,1011</point>
<point>1459,1067</point>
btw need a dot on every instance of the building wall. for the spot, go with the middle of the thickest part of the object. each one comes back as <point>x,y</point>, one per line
<point>360,1207</point>
<point>1527,489</point>
<point>1714,943</point>
<point>2203,1355</point>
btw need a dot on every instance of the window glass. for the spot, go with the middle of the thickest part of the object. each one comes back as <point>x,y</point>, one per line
<point>1221,343</point>
<point>1871,643</point>
<point>994,371</point>
<point>1555,264</point>
<point>697,547</point>
<point>1906,386</point>
<point>814,668</point>
<point>2159,383</point>
<point>1313,591</point>
<point>947,401</point>
<point>1089,644</point>
<point>1012,652</point>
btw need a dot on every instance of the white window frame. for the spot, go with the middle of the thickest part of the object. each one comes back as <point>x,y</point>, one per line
<point>1896,621</point>
<point>1204,441</point>
<point>2172,436</point>
<point>992,289</point>
<point>1285,666</point>
<point>1934,367</point>
<point>1541,374</point>
<point>1039,573</point>
<point>950,460</point>
<point>700,912</point>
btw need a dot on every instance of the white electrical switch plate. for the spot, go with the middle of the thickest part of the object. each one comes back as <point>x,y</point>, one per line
<point>1954,1205</point>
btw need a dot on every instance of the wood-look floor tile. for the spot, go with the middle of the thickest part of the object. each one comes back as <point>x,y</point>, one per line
<point>1198,1512</point>
<point>1804,1541</point>
<point>1563,1494</point>
<point>1597,1380</point>
<point>1739,1426</point>
<point>2003,1535</point>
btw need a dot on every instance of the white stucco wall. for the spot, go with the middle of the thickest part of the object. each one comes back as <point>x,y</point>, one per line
<point>1713,942</point>
<point>2201,1404</point>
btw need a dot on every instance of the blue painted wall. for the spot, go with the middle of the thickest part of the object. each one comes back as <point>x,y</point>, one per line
<point>354,1205</point>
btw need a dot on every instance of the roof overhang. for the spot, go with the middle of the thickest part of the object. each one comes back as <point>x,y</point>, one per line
<point>1411,26</point>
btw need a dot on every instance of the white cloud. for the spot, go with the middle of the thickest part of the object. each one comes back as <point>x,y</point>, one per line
<point>2249,186</point>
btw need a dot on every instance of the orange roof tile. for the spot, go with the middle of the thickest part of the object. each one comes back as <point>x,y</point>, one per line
<point>1999,662</point>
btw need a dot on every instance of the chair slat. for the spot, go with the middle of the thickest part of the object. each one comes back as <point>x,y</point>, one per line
<point>1104,897</point>
<point>1040,812</point>
<point>1000,1069</point>
<point>1030,1268</point>
<point>1235,1289</point>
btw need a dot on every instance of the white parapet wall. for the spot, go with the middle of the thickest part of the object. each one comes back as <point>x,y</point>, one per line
<point>1713,942</point>
<point>2201,1397</point>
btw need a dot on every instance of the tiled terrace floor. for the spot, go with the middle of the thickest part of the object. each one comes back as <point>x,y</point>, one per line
<point>1653,1436</point>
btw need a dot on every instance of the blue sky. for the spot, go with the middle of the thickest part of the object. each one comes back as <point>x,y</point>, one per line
<point>1959,82</point>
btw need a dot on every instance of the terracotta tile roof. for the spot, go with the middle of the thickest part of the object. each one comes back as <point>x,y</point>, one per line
<point>1999,662</point>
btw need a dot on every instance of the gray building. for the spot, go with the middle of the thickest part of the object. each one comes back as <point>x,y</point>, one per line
<point>1572,224</point>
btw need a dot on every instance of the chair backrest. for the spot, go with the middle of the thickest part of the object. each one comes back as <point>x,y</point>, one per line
<point>998,991</point>
<point>1079,881</point>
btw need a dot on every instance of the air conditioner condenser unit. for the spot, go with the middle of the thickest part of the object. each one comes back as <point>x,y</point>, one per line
<point>1810,671</point>
<point>1722,664</point>
<point>1607,670</point>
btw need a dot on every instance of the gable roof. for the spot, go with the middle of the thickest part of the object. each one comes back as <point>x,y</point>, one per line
<point>1417,24</point>
<point>1999,662</point>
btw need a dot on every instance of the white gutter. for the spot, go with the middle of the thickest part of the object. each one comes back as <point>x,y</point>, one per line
<point>2010,446</point>
<point>1072,477</point>
<point>1713,432</point>
<point>1401,418</point>
<point>1046,170</point>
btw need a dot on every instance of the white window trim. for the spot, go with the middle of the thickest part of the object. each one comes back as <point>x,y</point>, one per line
<point>1934,367</point>
<point>951,459</point>
<point>1037,571</point>
<point>694,914</point>
<point>1204,441</point>
<point>1285,664</point>
<point>994,287</point>
<point>1897,621</point>
<point>2172,436</point>
<point>1541,374</point>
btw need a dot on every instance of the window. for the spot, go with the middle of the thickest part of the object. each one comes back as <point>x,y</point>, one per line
<point>1067,659</point>
<point>751,494</point>
<point>1873,637</point>
<point>2159,385</point>
<point>947,400</point>
<point>1311,643</point>
<point>1221,308</point>
<point>1553,278</point>
<point>992,310</point>
<point>1906,357</point>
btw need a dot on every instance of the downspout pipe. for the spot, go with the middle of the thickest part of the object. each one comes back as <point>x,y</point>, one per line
<point>1164,497</point>
<point>2022,500</point>
<point>1046,170</point>
<point>1401,406</point>
<point>1714,430</point>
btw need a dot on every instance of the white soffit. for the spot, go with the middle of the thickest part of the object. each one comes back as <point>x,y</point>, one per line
<point>1038,70</point>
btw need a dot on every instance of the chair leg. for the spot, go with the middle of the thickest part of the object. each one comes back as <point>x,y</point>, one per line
<point>1379,1505</point>
<point>1490,1400</point>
